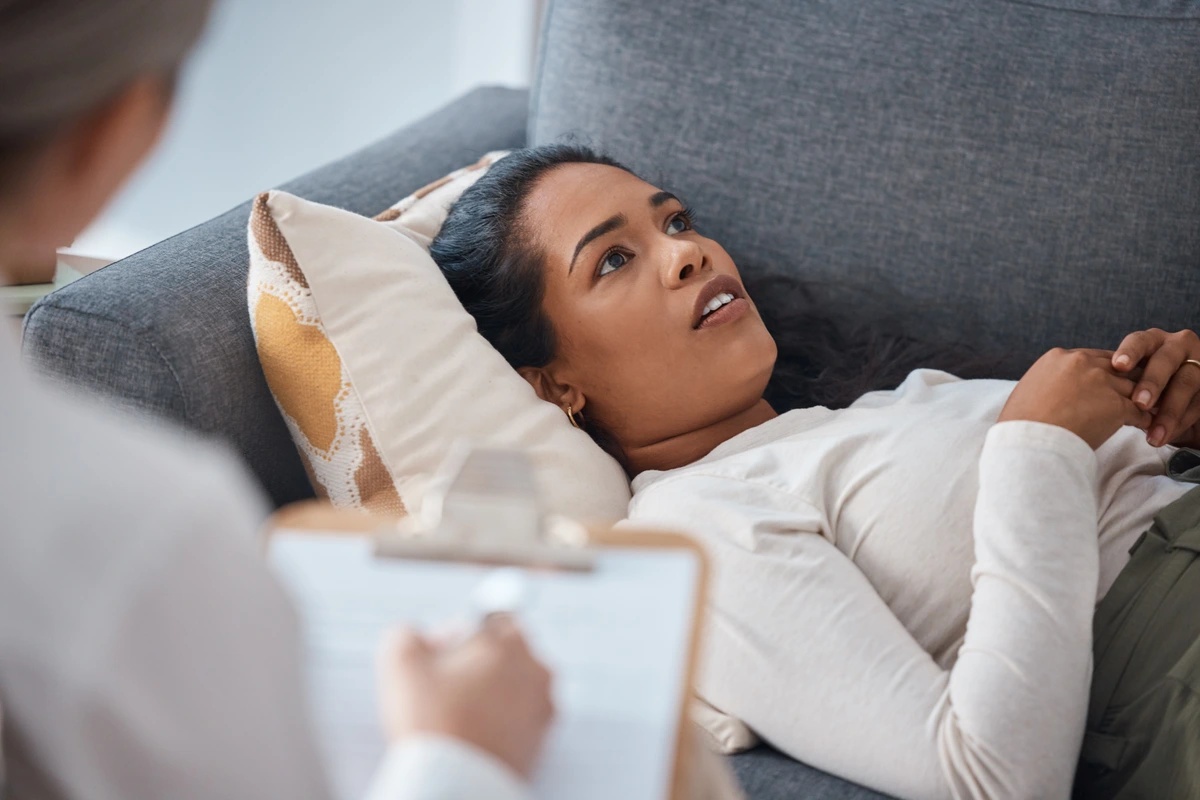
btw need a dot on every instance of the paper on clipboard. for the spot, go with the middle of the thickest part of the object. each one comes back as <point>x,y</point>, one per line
<point>617,640</point>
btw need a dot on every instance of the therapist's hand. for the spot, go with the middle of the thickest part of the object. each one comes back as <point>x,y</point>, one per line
<point>488,691</point>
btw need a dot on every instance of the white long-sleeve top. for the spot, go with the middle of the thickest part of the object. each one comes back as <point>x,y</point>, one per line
<point>145,649</point>
<point>903,589</point>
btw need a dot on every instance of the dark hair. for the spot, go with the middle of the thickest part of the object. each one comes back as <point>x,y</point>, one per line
<point>832,352</point>
<point>490,261</point>
<point>825,357</point>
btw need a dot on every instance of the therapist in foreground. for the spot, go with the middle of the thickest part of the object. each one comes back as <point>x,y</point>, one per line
<point>145,651</point>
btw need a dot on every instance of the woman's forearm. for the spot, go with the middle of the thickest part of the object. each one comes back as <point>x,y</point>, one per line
<point>1018,692</point>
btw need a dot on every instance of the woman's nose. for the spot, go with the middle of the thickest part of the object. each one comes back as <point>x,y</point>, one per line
<point>685,261</point>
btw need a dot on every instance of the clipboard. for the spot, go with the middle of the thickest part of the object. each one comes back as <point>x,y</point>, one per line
<point>689,774</point>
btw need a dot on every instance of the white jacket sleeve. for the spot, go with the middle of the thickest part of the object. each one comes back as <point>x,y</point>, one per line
<point>440,768</point>
<point>197,690</point>
<point>194,687</point>
<point>802,648</point>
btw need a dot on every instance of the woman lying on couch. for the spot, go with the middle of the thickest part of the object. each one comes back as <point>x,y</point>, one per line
<point>906,580</point>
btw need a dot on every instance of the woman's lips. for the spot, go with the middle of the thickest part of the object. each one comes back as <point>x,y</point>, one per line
<point>718,285</point>
<point>729,312</point>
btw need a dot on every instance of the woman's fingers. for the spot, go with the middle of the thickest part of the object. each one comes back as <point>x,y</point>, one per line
<point>1135,416</point>
<point>1157,375</point>
<point>1162,366</point>
<point>1135,347</point>
<point>1167,385</point>
<point>1175,410</point>
<point>1187,433</point>
<point>1123,386</point>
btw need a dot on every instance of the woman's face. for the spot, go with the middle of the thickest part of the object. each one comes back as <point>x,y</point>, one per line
<point>657,337</point>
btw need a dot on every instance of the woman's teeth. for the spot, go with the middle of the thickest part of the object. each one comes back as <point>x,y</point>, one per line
<point>716,302</point>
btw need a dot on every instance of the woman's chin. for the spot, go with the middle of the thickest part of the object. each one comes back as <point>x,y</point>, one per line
<point>740,336</point>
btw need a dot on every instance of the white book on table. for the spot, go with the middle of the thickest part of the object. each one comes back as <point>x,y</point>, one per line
<point>618,639</point>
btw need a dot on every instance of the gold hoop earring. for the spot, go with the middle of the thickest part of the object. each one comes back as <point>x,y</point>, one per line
<point>571,416</point>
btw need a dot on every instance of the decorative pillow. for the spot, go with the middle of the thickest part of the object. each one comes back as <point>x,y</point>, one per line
<point>378,369</point>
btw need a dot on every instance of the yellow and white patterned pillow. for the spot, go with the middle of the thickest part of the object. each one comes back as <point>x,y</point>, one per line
<point>377,369</point>
<point>308,379</point>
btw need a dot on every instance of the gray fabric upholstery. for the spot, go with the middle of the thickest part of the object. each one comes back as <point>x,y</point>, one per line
<point>1015,175</point>
<point>765,774</point>
<point>167,329</point>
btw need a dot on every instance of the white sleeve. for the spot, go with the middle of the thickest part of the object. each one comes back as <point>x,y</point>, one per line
<point>440,768</point>
<point>801,647</point>
<point>195,688</point>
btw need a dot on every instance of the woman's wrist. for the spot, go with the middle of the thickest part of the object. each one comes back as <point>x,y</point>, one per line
<point>1032,434</point>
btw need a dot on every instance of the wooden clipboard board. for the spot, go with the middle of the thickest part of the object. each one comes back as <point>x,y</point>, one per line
<point>694,774</point>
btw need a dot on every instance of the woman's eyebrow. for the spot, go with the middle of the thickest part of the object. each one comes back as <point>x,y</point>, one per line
<point>658,199</point>
<point>608,226</point>
<point>612,223</point>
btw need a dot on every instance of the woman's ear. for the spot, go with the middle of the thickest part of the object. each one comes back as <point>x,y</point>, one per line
<point>546,387</point>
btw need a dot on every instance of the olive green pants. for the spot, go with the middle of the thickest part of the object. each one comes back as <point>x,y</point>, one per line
<point>1143,730</point>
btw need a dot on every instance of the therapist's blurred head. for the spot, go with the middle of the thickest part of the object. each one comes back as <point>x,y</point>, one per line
<point>85,86</point>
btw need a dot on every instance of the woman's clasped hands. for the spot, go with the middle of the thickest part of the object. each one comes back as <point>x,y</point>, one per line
<point>1151,381</point>
<point>1168,385</point>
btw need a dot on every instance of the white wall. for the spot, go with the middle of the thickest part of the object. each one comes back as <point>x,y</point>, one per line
<point>279,87</point>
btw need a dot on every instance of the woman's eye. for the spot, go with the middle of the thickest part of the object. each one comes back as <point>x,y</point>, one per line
<point>613,262</point>
<point>678,224</point>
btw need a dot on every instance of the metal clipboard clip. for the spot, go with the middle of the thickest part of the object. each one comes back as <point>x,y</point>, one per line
<point>483,507</point>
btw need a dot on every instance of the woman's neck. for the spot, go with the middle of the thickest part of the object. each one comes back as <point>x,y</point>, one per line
<point>679,451</point>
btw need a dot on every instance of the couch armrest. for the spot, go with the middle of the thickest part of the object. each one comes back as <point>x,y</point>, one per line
<point>167,331</point>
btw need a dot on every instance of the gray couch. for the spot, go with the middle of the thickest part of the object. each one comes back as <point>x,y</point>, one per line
<point>1012,175</point>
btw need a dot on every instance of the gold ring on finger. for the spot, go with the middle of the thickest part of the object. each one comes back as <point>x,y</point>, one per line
<point>1191,361</point>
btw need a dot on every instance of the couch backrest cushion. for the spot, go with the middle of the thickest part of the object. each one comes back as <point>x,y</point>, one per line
<point>1013,174</point>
